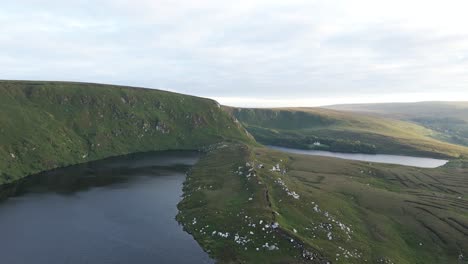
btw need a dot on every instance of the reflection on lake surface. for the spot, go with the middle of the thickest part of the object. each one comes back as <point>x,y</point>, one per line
<point>378,158</point>
<point>119,210</point>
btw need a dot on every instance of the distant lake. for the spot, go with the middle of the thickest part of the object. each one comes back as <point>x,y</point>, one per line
<point>120,210</point>
<point>378,158</point>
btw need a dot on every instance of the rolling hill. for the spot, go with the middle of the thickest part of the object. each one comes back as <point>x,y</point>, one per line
<point>449,119</point>
<point>255,205</point>
<point>344,132</point>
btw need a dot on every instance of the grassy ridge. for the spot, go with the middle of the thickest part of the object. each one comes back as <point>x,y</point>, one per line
<point>227,209</point>
<point>343,132</point>
<point>329,209</point>
<point>44,125</point>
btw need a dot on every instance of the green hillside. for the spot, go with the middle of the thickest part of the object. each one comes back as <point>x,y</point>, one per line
<point>44,125</point>
<point>343,132</point>
<point>326,210</point>
<point>450,119</point>
<point>244,203</point>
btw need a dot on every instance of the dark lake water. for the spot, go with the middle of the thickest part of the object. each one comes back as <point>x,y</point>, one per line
<point>378,158</point>
<point>120,210</point>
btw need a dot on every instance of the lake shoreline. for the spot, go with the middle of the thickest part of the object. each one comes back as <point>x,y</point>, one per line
<point>127,203</point>
<point>404,160</point>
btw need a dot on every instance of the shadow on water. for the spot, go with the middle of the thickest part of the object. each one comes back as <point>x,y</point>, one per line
<point>101,173</point>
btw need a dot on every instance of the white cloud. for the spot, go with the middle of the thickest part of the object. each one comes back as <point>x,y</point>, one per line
<point>242,49</point>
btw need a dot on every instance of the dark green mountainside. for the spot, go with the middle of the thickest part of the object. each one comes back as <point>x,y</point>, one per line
<point>44,125</point>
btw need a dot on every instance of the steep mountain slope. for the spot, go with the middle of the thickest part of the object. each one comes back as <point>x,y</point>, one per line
<point>450,119</point>
<point>44,125</point>
<point>343,132</point>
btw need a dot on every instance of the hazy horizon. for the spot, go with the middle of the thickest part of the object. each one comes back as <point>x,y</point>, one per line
<point>322,102</point>
<point>306,102</point>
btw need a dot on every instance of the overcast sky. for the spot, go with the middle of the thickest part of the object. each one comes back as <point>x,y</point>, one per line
<point>245,52</point>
